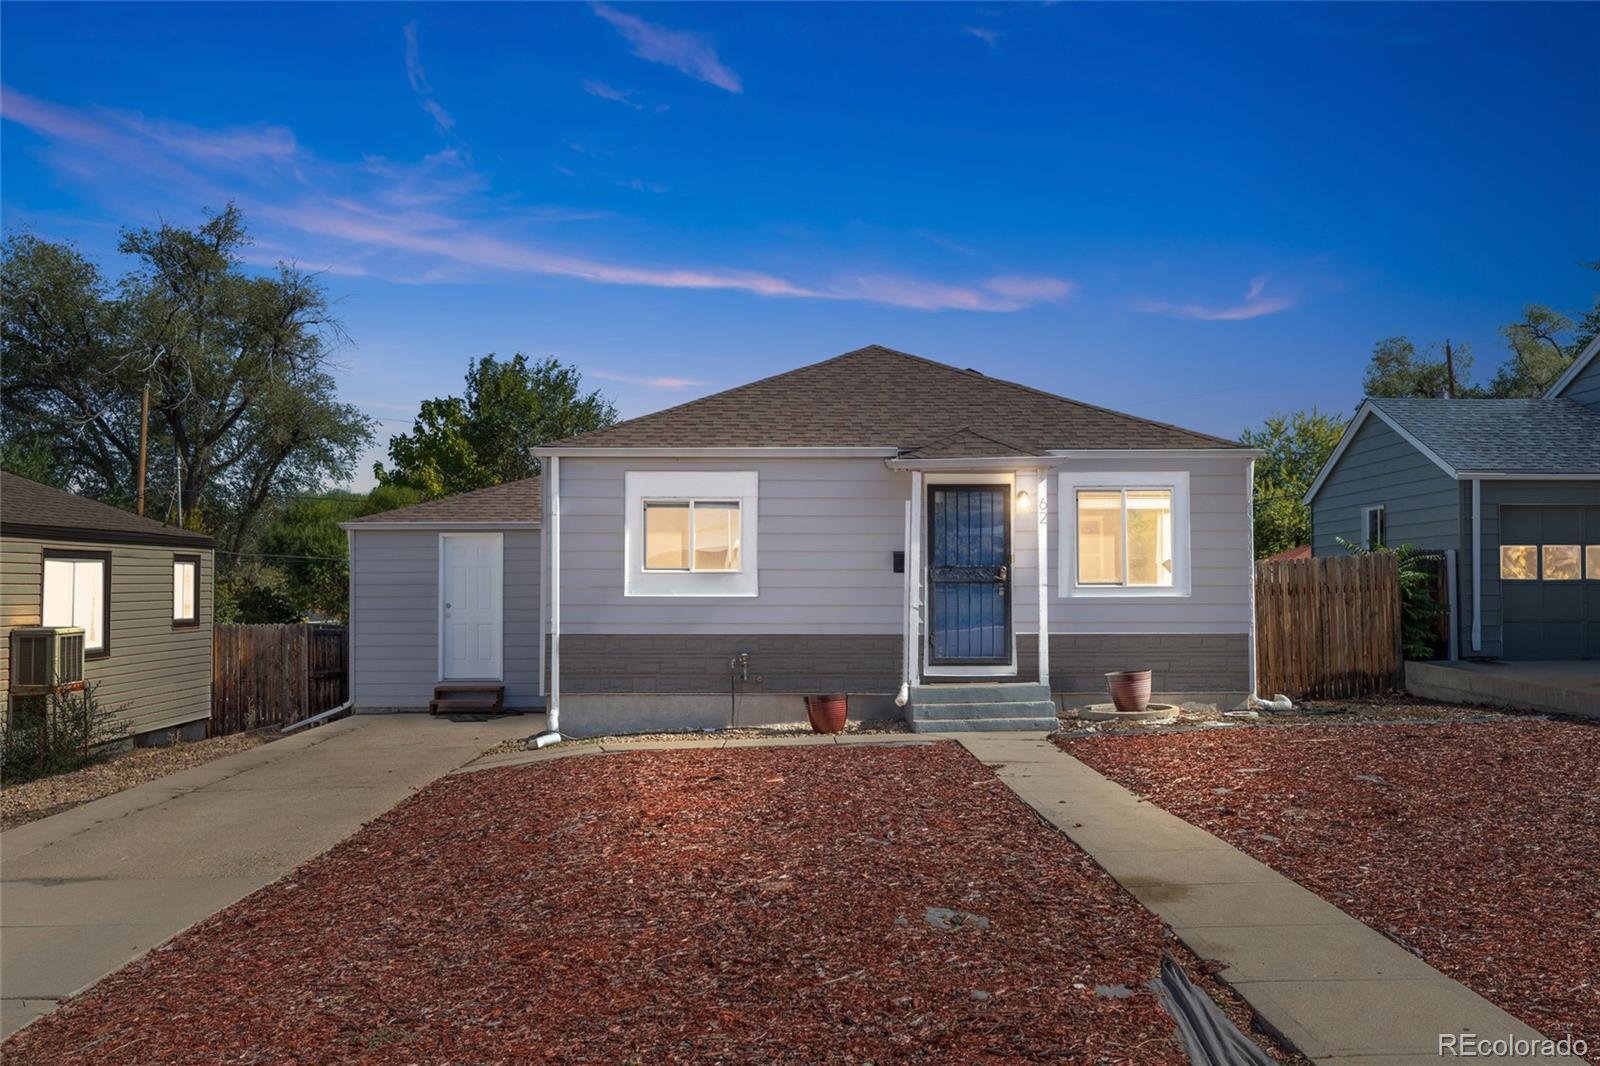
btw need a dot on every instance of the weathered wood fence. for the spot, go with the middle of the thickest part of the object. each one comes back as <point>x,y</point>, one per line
<point>275,674</point>
<point>1328,627</point>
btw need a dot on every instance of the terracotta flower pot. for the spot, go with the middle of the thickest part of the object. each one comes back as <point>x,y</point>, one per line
<point>1130,689</point>
<point>827,713</point>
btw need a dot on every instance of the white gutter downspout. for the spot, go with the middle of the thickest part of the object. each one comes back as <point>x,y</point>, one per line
<point>1250,519</point>
<point>1044,578</point>
<point>914,566</point>
<point>908,644</point>
<point>552,732</point>
<point>1477,565</point>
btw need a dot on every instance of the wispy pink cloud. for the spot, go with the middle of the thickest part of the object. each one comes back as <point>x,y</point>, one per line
<point>684,50</point>
<point>607,92</point>
<point>430,220</point>
<point>666,383</point>
<point>983,33</point>
<point>1256,304</point>
<point>419,81</point>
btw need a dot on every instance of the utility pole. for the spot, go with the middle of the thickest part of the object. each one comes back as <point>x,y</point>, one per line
<point>1449,370</point>
<point>144,441</point>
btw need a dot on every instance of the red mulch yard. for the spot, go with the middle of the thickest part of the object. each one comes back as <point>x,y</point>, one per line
<point>755,905</point>
<point>1476,844</point>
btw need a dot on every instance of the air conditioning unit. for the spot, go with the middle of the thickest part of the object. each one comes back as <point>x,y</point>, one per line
<point>46,659</point>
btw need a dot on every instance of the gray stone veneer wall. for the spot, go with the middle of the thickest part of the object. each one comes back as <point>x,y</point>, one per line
<point>817,663</point>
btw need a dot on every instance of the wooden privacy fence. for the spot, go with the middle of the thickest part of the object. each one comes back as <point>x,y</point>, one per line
<point>275,674</point>
<point>1328,627</point>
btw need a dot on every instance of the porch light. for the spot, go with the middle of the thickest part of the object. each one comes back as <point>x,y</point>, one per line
<point>1024,503</point>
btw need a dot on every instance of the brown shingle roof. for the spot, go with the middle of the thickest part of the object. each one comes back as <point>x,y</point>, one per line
<point>28,508</point>
<point>878,397</point>
<point>514,501</point>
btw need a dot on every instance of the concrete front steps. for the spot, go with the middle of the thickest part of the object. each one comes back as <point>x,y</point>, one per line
<point>974,707</point>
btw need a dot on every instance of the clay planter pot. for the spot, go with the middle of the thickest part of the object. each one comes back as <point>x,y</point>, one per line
<point>1130,689</point>
<point>827,713</point>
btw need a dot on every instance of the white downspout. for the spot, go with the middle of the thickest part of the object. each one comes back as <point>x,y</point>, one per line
<point>1044,578</point>
<point>1250,541</point>
<point>350,614</point>
<point>907,628</point>
<point>1477,565</point>
<point>552,732</point>
<point>544,593</point>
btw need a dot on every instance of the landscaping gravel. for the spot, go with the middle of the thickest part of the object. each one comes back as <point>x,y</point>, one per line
<point>32,800</point>
<point>838,904</point>
<point>1476,845</point>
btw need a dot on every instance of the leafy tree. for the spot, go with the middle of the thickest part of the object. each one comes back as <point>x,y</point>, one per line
<point>487,437</point>
<point>1543,344</point>
<point>305,545</point>
<point>1398,369</point>
<point>1295,448</point>
<point>242,404</point>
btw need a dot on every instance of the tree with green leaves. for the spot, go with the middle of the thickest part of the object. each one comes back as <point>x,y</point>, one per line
<point>243,408</point>
<point>1397,368</point>
<point>1295,447</point>
<point>487,436</point>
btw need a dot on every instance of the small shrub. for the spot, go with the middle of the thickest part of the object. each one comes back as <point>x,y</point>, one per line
<point>57,734</point>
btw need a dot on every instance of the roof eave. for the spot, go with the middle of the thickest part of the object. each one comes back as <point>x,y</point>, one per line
<point>443,524</point>
<point>84,535</point>
<point>730,452</point>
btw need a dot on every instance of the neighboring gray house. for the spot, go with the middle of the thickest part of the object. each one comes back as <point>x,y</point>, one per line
<point>869,522</point>
<point>141,592</point>
<point>1509,488</point>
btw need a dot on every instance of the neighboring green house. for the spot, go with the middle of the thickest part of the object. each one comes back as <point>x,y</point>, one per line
<point>1509,489</point>
<point>141,592</point>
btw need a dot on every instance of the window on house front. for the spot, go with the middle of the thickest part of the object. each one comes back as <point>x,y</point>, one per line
<point>1519,562</point>
<point>185,582</point>
<point>1561,562</point>
<point>693,535</point>
<point>77,593</point>
<point>1374,531</point>
<point>1125,538</point>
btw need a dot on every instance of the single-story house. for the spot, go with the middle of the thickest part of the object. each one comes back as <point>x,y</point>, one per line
<point>141,592</point>
<point>876,524</point>
<point>1508,490</point>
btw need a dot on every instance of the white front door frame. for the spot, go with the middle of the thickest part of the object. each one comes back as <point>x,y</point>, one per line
<point>1008,479</point>
<point>495,667</point>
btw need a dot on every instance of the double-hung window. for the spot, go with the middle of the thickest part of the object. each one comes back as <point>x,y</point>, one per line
<point>690,533</point>
<point>1374,526</point>
<point>77,592</point>
<point>1124,534</point>
<point>185,590</point>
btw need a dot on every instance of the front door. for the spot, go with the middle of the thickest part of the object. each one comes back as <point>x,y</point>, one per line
<point>969,575</point>
<point>470,589</point>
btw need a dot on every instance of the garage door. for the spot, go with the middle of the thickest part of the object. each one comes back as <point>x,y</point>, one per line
<point>1550,582</point>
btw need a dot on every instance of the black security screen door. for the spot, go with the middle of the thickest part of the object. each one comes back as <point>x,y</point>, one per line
<point>969,580</point>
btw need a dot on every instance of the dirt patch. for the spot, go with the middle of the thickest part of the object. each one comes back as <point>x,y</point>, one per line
<point>1474,844</point>
<point>753,905</point>
<point>1395,707</point>
<point>20,804</point>
<point>794,729</point>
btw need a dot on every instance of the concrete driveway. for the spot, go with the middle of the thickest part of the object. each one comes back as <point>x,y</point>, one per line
<point>86,891</point>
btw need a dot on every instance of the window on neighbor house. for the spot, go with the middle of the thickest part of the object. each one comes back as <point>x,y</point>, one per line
<point>1125,538</point>
<point>1591,562</point>
<point>185,582</point>
<point>77,593</point>
<point>1561,562</point>
<point>692,535</point>
<point>1519,562</point>
<point>1374,527</point>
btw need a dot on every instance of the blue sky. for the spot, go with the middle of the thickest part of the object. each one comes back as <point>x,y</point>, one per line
<point>1197,213</point>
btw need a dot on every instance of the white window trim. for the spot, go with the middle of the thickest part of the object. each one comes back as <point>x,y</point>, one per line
<point>639,486</point>
<point>1068,484</point>
<point>1383,524</point>
<point>929,667</point>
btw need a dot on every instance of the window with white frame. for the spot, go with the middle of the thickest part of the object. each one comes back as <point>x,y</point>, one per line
<point>1374,526</point>
<point>690,533</point>
<point>1124,534</point>
<point>185,585</point>
<point>77,593</point>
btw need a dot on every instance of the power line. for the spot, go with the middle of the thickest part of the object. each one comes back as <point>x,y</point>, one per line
<point>272,555</point>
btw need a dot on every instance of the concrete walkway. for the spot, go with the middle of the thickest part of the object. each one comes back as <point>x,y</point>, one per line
<point>1333,988</point>
<point>86,891</point>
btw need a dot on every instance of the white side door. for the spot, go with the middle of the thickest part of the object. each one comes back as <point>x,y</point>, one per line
<point>471,584</point>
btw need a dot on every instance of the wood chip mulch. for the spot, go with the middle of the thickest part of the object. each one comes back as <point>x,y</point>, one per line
<point>32,800</point>
<point>756,905</point>
<point>1476,845</point>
